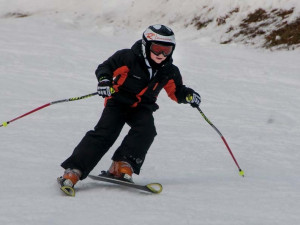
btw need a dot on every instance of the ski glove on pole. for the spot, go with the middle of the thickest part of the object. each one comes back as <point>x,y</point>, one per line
<point>194,99</point>
<point>105,88</point>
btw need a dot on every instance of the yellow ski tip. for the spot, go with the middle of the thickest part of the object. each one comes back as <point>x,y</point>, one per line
<point>68,190</point>
<point>156,188</point>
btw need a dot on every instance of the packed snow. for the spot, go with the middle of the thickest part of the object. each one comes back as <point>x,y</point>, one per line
<point>251,95</point>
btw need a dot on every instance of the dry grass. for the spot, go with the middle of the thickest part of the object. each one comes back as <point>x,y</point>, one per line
<point>199,24</point>
<point>222,20</point>
<point>288,34</point>
<point>271,26</point>
<point>198,21</point>
<point>283,13</point>
<point>259,23</point>
<point>257,16</point>
<point>251,26</point>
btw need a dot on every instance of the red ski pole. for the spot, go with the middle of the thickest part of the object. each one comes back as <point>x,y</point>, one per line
<point>241,172</point>
<point>46,105</point>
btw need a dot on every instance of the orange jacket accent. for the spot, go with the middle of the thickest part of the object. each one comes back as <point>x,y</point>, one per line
<point>123,72</point>
<point>139,97</point>
<point>170,88</point>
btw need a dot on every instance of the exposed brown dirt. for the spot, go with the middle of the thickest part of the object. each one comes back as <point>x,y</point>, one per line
<point>222,20</point>
<point>272,26</point>
<point>258,15</point>
<point>288,34</point>
<point>199,24</point>
<point>283,13</point>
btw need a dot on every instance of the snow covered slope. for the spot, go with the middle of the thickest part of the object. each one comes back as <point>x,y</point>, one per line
<point>267,23</point>
<point>251,95</point>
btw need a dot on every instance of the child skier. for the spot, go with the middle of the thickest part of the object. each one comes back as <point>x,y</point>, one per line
<point>130,80</point>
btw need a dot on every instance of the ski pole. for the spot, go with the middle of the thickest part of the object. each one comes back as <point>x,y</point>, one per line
<point>46,105</point>
<point>241,172</point>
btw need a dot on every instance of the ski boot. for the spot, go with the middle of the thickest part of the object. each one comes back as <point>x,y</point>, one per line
<point>68,180</point>
<point>121,170</point>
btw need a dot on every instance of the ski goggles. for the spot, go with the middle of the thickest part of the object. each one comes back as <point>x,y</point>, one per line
<point>161,49</point>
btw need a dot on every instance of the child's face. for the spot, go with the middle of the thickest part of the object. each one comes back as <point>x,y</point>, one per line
<point>157,58</point>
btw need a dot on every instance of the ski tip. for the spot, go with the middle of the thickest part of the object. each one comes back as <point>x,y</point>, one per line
<point>155,188</point>
<point>68,190</point>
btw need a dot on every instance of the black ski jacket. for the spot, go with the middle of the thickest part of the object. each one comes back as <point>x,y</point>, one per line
<point>129,73</point>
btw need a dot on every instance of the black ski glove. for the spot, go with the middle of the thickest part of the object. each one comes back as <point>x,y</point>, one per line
<point>105,88</point>
<point>194,99</point>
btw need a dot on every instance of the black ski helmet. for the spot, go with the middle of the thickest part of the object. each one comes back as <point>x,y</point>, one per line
<point>160,34</point>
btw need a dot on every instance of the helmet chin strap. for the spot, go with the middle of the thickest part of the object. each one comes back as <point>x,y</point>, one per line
<point>144,50</point>
<point>149,67</point>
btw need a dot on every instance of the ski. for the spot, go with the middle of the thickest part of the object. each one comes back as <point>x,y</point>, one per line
<point>155,188</point>
<point>68,190</point>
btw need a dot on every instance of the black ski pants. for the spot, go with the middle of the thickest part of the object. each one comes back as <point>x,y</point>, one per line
<point>97,142</point>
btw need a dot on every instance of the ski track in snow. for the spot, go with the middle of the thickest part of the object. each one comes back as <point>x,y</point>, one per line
<point>251,95</point>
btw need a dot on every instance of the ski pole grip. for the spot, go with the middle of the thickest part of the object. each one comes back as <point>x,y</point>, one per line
<point>189,98</point>
<point>112,90</point>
